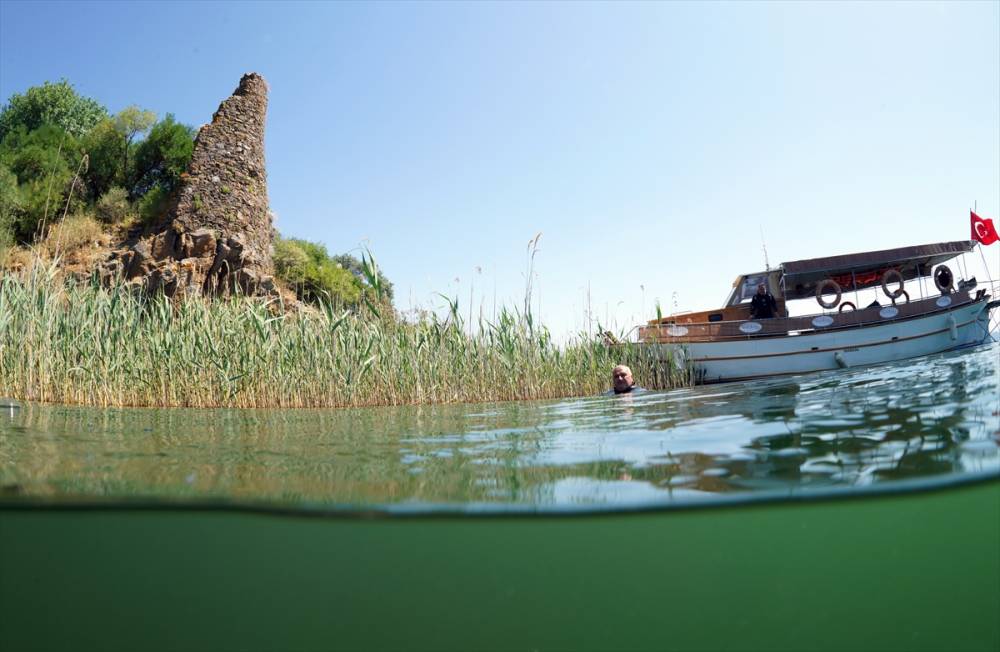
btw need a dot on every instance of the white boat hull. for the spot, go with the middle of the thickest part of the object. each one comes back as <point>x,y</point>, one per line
<point>756,357</point>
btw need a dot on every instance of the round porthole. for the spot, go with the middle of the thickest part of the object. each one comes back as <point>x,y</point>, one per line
<point>750,327</point>
<point>677,331</point>
<point>822,321</point>
<point>888,312</point>
<point>943,302</point>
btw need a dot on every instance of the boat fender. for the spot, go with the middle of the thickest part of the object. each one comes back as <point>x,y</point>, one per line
<point>906,295</point>
<point>834,286</point>
<point>845,304</point>
<point>943,279</point>
<point>892,276</point>
<point>839,359</point>
<point>952,327</point>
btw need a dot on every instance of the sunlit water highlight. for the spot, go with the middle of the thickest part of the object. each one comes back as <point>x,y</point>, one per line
<point>921,418</point>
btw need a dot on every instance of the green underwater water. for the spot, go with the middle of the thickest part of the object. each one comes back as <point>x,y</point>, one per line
<point>909,572</point>
<point>929,417</point>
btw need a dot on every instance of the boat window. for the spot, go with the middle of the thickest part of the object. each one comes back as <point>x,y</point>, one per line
<point>749,287</point>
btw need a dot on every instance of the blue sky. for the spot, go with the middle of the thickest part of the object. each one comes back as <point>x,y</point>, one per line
<point>649,143</point>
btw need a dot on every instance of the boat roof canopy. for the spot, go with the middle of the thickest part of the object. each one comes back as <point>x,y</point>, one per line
<point>865,269</point>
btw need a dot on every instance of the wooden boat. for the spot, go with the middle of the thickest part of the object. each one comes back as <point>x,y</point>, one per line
<point>915,318</point>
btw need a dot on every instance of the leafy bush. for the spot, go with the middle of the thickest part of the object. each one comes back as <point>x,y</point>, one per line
<point>308,268</point>
<point>290,261</point>
<point>113,206</point>
<point>153,205</point>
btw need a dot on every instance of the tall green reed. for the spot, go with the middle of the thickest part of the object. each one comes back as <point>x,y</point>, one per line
<point>73,342</point>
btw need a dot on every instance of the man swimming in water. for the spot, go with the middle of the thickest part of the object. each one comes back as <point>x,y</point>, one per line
<point>622,381</point>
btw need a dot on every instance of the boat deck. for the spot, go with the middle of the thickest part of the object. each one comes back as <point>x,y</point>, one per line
<point>669,331</point>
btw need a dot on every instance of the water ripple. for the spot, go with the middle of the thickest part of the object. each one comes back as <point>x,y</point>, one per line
<point>927,417</point>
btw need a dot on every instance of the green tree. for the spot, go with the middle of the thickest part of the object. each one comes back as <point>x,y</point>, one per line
<point>56,104</point>
<point>104,145</point>
<point>356,268</point>
<point>130,122</point>
<point>162,157</point>
<point>34,154</point>
<point>44,162</point>
<point>10,207</point>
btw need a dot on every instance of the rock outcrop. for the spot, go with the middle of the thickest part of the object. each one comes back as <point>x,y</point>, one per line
<point>216,236</point>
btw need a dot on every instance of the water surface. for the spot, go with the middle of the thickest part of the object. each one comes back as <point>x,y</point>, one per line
<point>931,417</point>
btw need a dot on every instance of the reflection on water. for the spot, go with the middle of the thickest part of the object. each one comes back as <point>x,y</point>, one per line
<point>932,416</point>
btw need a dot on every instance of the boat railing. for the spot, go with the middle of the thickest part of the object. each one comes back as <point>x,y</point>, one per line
<point>679,331</point>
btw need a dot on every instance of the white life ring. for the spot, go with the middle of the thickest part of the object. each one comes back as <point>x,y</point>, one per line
<point>892,276</point>
<point>819,293</point>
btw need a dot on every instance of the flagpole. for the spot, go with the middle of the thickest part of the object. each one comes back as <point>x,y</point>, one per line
<point>994,287</point>
<point>960,261</point>
<point>986,266</point>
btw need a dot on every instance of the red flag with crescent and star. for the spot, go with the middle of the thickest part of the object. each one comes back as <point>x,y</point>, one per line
<point>983,230</point>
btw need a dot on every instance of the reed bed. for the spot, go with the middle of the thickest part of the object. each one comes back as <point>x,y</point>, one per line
<point>80,343</point>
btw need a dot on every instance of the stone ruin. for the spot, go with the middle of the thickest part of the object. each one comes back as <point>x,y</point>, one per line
<point>216,236</point>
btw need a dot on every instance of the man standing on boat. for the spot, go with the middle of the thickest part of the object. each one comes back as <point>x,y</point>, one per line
<point>763,305</point>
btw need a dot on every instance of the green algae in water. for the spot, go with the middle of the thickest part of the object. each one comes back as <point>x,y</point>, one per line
<point>921,418</point>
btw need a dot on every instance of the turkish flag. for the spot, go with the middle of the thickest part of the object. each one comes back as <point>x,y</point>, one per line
<point>983,230</point>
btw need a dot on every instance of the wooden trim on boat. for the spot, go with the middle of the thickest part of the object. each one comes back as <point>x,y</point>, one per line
<point>722,315</point>
<point>728,331</point>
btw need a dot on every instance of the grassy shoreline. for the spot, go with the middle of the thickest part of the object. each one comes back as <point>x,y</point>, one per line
<point>80,343</point>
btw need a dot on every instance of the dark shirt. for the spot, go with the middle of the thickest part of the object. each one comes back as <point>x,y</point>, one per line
<point>763,306</point>
<point>632,389</point>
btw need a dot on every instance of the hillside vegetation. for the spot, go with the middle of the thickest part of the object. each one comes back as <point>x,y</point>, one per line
<point>76,180</point>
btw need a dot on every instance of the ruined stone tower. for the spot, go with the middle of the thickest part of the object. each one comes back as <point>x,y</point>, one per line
<point>216,237</point>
